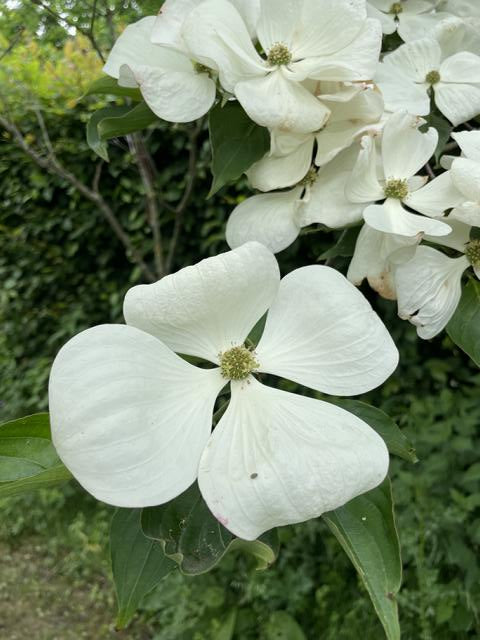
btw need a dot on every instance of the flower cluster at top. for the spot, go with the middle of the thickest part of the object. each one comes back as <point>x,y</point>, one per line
<point>348,140</point>
<point>131,419</point>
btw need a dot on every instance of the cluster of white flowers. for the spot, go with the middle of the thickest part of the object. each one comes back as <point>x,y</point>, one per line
<point>349,146</point>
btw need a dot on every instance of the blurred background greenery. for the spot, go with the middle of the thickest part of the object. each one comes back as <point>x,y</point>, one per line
<point>62,269</point>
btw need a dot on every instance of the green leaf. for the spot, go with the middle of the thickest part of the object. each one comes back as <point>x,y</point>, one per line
<point>115,121</point>
<point>109,86</point>
<point>236,143</point>
<point>28,460</point>
<point>396,442</point>
<point>444,129</point>
<point>94,140</point>
<point>464,327</point>
<point>345,245</point>
<point>227,629</point>
<point>191,536</point>
<point>281,626</point>
<point>138,564</point>
<point>365,527</point>
<point>138,118</point>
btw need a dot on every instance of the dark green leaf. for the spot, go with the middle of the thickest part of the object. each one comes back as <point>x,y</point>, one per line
<point>109,86</point>
<point>396,442</point>
<point>138,564</point>
<point>227,629</point>
<point>28,460</point>
<point>94,140</point>
<point>464,327</point>
<point>345,246</point>
<point>444,129</point>
<point>138,118</point>
<point>281,626</point>
<point>365,527</point>
<point>236,143</point>
<point>193,537</point>
<point>475,233</point>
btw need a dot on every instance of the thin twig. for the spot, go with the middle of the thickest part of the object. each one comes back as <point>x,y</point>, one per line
<point>144,163</point>
<point>51,164</point>
<point>430,171</point>
<point>190,183</point>
<point>14,43</point>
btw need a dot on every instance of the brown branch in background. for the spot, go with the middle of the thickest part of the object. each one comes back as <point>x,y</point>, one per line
<point>88,33</point>
<point>147,173</point>
<point>430,171</point>
<point>187,194</point>
<point>13,43</point>
<point>51,164</point>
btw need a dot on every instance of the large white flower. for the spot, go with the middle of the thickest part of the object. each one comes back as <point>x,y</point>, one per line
<point>133,421</point>
<point>404,151</point>
<point>174,87</point>
<point>302,39</point>
<point>447,63</point>
<point>411,18</point>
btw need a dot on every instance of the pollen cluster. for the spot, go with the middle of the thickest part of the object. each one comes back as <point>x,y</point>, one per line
<point>310,179</point>
<point>397,189</point>
<point>473,253</point>
<point>237,363</point>
<point>396,8</point>
<point>279,55</point>
<point>432,77</point>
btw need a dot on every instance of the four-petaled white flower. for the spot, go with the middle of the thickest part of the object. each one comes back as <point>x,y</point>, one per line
<point>392,178</point>
<point>133,421</point>
<point>446,62</point>
<point>411,18</point>
<point>429,286</point>
<point>175,88</point>
<point>302,39</point>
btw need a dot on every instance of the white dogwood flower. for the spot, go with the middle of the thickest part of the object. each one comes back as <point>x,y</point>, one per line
<point>175,88</point>
<point>132,420</point>
<point>355,110</point>
<point>376,258</point>
<point>404,151</point>
<point>465,175</point>
<point>429,287</point>
<point>446,63</point>
<point>276,219</point>
<point>411,18</point>
<point>301,39</point>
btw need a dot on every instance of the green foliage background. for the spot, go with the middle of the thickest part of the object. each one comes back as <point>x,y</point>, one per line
<point>61,271</point>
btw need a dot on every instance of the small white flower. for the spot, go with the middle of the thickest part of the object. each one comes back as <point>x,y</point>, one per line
<point>302,40</point>
<point>276,219</point>
<point>376,257</point>
<point>447,62</point>
<point>429,288</point>
<point>133,421</point>
<point>465,175</point>
<point>392,178</point>
<point>411,18</point>
<point>174,87</point>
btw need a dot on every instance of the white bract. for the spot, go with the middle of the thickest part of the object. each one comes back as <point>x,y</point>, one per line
<point>276,219</point>
<point>411,18</point>
<point>465,176</point>
<point>446,62</point>
<point>302,39</point>
<point>133,421</point>
<point>174,87</point>
<point>429,286</point>
<point>392,178</point>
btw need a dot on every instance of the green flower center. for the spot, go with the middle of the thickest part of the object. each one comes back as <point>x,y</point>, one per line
<point>396,189</point>
<point>396,8</point>
<point>473,253</point>
<point>279,55</point>
<point>432,77</point>
<point>310,179</point>
<point>237,363</point>
<point>201,68</point>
